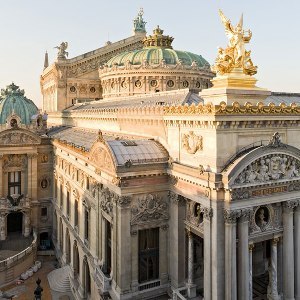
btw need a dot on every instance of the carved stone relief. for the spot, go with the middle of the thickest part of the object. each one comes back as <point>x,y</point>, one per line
<point>192,142</point>
<point>149,208</point>
<point>14,161</point>
<point>16,138</point>
<point>100,157</point>
<point>270,168</point>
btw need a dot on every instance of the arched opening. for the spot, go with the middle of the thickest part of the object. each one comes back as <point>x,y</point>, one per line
<point>75,260</point>
<point>61,235</point>
<point>15,223</point>
<point>44,241</point>
<point>86,277</point>
<point>68,247</point>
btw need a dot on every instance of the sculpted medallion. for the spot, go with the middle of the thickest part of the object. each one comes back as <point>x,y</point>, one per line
<point>192,142</point>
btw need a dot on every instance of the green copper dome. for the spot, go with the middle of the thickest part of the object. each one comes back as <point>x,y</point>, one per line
<point>157,48</point>
<point>13,101</point>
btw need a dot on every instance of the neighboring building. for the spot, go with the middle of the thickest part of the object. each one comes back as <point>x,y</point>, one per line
<point>26,167</point>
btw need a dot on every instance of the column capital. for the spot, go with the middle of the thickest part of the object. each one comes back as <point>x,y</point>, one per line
<point>275,241</point>
<point>176,198</point>
<point>245,214</point>
<point>251,247</point>
<point>207,212</point>
<point>230,216</point>
<point>288,206</point>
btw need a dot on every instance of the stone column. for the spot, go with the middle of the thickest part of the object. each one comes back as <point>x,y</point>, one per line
<point>207,214</point>
<point>230,254</point>
<point>251,246</point>
<point>288,250</point>
<point>177,239</point>
<point>272,287</point>
<point>279,267</point>
<point>190,282</point>
<point>243,255</point>
<point>297,251</point>
<point>3,227</point>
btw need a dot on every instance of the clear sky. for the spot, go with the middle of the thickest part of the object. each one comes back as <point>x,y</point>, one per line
<point>30,27</point>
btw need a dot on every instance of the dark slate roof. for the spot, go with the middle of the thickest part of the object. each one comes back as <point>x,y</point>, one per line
<point>178,97</point>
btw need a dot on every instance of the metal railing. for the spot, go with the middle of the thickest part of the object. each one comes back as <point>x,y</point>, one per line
<point>13,260</point>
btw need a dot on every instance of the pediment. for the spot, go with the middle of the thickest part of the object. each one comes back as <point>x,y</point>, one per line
<point>265,166</point>
<point>13,137</point>
<point>101,157</point>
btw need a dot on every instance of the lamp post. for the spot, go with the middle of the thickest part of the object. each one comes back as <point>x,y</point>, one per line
<point>38,290</point>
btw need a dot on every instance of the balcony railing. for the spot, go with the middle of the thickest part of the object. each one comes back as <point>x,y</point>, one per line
<point>103,282</point>
<point>180,294</point>
<point>13,260</point>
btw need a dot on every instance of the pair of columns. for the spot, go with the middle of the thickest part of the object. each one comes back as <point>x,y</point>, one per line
<point>237,287</point>
<point>207,214</point>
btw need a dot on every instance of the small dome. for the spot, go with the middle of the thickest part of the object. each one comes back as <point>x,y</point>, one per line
<point>157,48</point>
<point>13,101</point>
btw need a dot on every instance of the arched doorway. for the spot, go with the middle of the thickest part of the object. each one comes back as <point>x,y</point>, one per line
<point>14,223</point>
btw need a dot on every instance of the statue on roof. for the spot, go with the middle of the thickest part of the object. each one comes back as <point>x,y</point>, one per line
<point>235,55</point>
<point>62,53</point>
<point>139,23</point>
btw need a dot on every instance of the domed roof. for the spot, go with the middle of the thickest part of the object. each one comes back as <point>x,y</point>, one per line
<point>157,48</point>
<point>13,101</point>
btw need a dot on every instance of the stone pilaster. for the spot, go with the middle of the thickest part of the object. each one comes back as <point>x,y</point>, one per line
<point>1,177</point>
<point>207,214</point>
<point>297,251</point>
<point>230,254</point>
<point>243,255</point>
<point>134,261</point>
<point>27,226</point>
<point>163,257</point>
<point>288,250</point>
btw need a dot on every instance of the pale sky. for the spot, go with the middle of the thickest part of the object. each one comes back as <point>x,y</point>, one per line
<point>30,27</point>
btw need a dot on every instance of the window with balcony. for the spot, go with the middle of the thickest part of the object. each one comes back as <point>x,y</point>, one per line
<point>14,183</point>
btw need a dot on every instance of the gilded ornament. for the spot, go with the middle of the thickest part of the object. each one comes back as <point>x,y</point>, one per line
<point>234,56</point>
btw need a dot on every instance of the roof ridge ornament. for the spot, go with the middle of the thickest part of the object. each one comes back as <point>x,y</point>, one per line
<point>139,23</point>
<point>158,39</point>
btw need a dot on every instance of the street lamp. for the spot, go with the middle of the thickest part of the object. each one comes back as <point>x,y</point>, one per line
<point>38,290</point>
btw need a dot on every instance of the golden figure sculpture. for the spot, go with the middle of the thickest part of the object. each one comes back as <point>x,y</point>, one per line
<point>235,55</point>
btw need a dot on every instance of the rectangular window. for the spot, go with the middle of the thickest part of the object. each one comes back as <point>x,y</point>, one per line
<point>44,212</point>
<point>14,183</point>
<point>76,213</point>
<point>86,224</point>
<point>148,254</point>
<point>68,203</point>
<point>61,196</point>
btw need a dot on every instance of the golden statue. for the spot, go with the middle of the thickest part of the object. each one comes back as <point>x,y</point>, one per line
<point>235,56</point>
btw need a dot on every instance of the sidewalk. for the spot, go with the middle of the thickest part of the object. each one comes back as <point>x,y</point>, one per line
<point>25,291</point>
